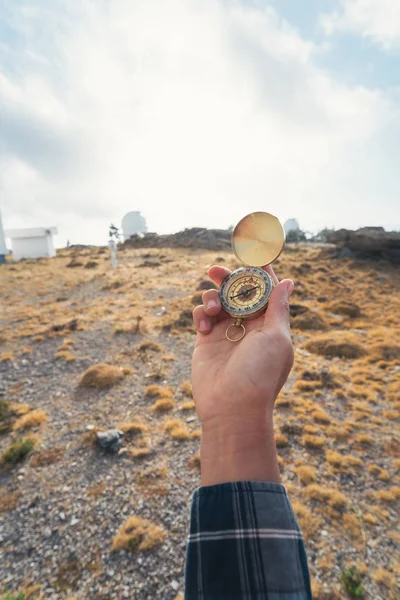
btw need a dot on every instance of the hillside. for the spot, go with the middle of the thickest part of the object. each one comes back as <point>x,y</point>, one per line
<point>64,501</point>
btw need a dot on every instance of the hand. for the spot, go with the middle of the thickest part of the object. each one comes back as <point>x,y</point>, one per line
<point>235,385</point>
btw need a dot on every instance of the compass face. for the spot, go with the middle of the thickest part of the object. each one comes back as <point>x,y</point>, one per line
<point>245,292</point>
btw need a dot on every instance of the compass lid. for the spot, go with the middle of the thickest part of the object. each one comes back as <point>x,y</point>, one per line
<point>258,239</point>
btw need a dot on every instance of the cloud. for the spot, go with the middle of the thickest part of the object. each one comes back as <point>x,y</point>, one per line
<point>194,113</point>
<point>377,20</point>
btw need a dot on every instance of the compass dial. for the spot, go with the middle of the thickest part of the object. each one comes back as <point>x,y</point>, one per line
<point>245,292</point>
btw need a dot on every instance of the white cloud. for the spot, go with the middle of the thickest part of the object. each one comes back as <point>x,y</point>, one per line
<point>194,113</point>
<point>378,20</point>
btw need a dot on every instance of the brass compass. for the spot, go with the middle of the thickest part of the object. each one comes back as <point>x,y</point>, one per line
<point>257,241</point>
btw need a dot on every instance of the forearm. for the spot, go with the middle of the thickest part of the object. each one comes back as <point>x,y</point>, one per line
<point>238,449</point>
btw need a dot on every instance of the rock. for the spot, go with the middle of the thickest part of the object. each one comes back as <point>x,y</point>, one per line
<point>196,237</point>
<point>175,585</point>
<point>367,242</point>
<point>110,440</point>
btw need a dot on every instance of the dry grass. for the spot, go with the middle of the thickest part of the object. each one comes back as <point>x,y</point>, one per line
<point>281,440</point>
<point>163,405</point>
<point>194,461</point>
<point>187,405</point>
<point>140,452</point>
<point>384,577</point>
<point>336,344</point>
<point>47,457</point>
<point>157,391</point>
<point>9,501</point>
<point>177,429</point>
<point>186,388</point>
<point>306,474</point>
<point>326,495</point>
<point>313,441</point>
<point>132,428</point>
<point>138,535</point>
<point>320,416</point>
<point>149,346</point>
<point>6,356</point>
<point>31,420</point>
<point>65,355</point>
<point>101,376</point>
<point>309,523</point>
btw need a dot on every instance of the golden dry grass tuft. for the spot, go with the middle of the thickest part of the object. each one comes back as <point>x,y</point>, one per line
<point>138,535</point>
<point>186,388</point>
<point>177,429</point>
<point>140,452</point>
<point>326,495</point>
<point>132,428</point>
<point>309,523</point>
<point>281,440</point>
<point>65,355</point>
<point>336,344</point>
<point>157,391</point>
<point>33,419</point>
<point>187,405</point>
<point>306,474</point>
<point>163,405</point>
<point>313,441</point>
<point>101,376</point>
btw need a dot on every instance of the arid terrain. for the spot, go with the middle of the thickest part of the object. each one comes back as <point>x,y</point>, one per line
<point>78,522</point>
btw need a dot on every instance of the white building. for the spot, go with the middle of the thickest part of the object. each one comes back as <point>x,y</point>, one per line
<point>291,225</point>
<point>32,243</point>
<point>133,223</point>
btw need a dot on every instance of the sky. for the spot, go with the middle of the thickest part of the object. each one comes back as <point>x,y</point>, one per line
<point>198,112</point>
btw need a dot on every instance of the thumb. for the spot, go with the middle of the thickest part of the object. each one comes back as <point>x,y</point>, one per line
<point>278,305</point>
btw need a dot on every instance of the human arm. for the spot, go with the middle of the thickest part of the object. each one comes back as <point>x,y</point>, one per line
<point>244,539</point>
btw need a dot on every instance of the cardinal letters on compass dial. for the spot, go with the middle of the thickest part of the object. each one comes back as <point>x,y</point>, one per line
<point>246,292</point>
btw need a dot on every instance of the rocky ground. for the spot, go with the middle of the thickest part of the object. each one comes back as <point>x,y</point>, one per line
<point>63,504</point>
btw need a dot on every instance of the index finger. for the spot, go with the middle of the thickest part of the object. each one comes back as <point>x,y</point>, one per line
<point>217,274</point>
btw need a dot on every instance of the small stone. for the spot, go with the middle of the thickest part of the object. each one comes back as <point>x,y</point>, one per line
<point>62,516</point>
<point>190,419</point>
<point>47,532</point>
<point>89,427</point>
<point>175,585</point>
<point>110,440</point>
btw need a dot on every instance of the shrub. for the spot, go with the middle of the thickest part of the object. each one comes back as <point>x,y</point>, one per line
<point>101,376</point>
<point>352,581</point>
<point>138,534</point>
<point>148,345</point>
<point>18,450</point>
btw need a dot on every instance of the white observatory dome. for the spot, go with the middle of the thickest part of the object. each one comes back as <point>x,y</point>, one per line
<point>133,223</point>
<point>291,225</point>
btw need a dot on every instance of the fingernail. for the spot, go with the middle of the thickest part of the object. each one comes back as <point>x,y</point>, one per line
<point>203,325</point>
<point>290,287</point>
<point>211,304</point>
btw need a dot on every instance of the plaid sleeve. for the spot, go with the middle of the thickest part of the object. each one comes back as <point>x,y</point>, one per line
<point>245,543</point>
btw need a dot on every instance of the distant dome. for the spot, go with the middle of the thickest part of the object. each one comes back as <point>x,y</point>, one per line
<point>133,223</point>
<point>291,225</point>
